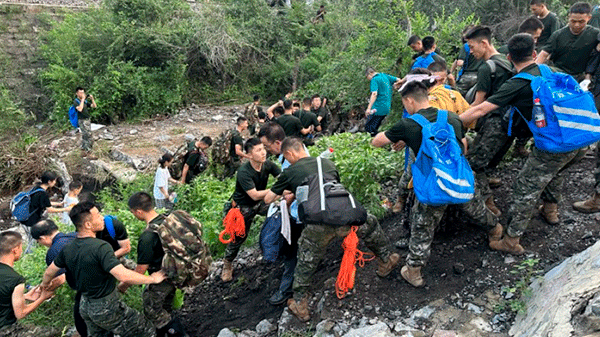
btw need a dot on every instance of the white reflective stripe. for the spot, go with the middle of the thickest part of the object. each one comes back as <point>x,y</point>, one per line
<point>321,189</point>
<point>454,194</point>
<point>578,126</point>
<point>351,200</point>
<point>576,112</point>
<point>446,176</point>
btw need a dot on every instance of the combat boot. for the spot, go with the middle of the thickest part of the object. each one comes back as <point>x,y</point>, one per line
<point>174,328</point>
<point>385,268</point>
<point>489,203</point>
<point>509,245</point>
<point>494,182</point>
<point>399,205</point>
<point>591,205</point>
<point>412,275</point>
<point>520,151</point>
<point>227,273</point>
<point>549,213</point>
<point>300,309</point>
<point>496,233</point>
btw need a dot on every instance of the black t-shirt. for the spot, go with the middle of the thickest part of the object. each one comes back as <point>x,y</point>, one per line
<point>292,126</point>
<point>569,52</point>
<point>236,139</point>
<point>248,178</point>
<point>517,92</point>
<point>84,113</point>
<point>90,261</point>
<point>488,83</point>
<point>38,204</point>
<point>10,280</point>
<point>409,131</point>
<point>307,118</point>
<point>197,162</point>
<point>120,234</point>
<point>551,24</point>
<point>294,175</point>
<point>471,63</point>
<point>150,250</point>
<point>324,114</point>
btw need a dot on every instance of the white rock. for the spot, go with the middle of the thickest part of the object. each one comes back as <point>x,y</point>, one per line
<point>378,330</point>
<point>226,333</point>
<point>265,327</point>
<point>217,117</point>
<point>133,131</point>
<point>96,127</point>
<point>481,324</point>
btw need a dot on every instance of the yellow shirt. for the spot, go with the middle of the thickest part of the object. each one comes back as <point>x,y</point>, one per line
<point>449,100</point>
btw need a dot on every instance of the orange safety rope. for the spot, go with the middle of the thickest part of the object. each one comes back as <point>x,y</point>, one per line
<point>234,226</point>
<point>345,279</point>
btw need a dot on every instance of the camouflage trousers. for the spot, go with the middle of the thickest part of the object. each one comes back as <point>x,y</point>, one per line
<point>109,314</point>
<point>425,218</point>
<point>21,330</point>
<point>313,243</point>
<point>87,141</point>
<point>233,248</point>
<point>231,167</point>
<point>158,303</point>
<point>491,139</point>
<point>597,170</point>
<point>403,189</point>
<point>540,177</point>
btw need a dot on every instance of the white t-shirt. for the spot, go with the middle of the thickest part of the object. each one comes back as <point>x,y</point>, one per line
<point>68,201</point>
<point>161,179</point>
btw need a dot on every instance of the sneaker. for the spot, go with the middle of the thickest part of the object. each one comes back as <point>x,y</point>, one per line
<point>279,298</point>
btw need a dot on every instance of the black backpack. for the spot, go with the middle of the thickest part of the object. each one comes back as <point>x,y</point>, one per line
<point>322,199</point>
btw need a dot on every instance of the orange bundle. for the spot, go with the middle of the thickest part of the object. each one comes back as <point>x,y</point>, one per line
<point>345,279</point>
<point>234,226</point>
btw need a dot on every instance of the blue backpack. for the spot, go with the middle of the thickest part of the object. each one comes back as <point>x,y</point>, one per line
<point>73,117</point>
<point>572,120</point>
<point>466,62</point>
<point>271,239</point>
<point>441,172</point>
<point>19,205</point>
<point>110,227</point>
<point>423,62</point>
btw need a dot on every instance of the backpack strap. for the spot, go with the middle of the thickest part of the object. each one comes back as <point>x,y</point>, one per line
<point>442,117</point>
<point>321,189</point>
<point>110,227</point>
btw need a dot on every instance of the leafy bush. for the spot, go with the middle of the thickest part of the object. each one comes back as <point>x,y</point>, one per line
<point>13,119</point>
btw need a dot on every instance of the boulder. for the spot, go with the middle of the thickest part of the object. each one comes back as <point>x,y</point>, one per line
<point>377,330</point>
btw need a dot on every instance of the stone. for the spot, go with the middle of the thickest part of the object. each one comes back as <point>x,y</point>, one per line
<point>265,327</point>
<point>340,329</point>
<point>444,333</point>
<point>481,324</point>
<point>162,138</point>
<point>324,328</point>
<point>189,137</point>
<point>557,299</point>
<point>133,131</point>
<point>248,333</point>
<point>217,117</point>
<point>226,333</point>
<point>107,136</point>
<point>285,321</point>
<point>378,330</point>
<point>472,307</point>
<point>96,127</point>
<point>509,260</point>
<point>458,268</point>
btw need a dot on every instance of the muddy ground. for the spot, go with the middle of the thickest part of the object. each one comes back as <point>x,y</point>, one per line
<point>242,303</point>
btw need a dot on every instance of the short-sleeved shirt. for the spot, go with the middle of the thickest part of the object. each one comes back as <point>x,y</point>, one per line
<point>471,63</point>
<point>84,113</point>
<point>323,113</point>
<point>59,241</point>
<point>307,118</point>
<point>425,60</point>
<point>517,92</point>
<point>236,139</point>
<point>488,83</point>
<point>161,179</point>
<point>150,250</point>
<point>37,206</point>
<point>551,24</point>
<point>120,234</point>
<point>409,131</point>
<point>90,261</point>
<point>195,161</point>
<point>447,99</point>
<point>569,52</point>
<point>10,280</point>
<point>292,126</point>
<point>295,174</point>
<point>382,84</point>
<point>248,178</point>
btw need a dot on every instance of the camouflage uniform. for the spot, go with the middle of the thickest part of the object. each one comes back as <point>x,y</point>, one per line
<point>490,139</point>
<point>158,303</point>
<point>406,175</point>
<point>597,170</point>
<point>539,177</point>
<point>109,314</point>
<point>87,141</point>
<point>231,167</point>
<point>424,219</point>
<point>313,243</point>
<point>233,247</point>
<point>20,330</point>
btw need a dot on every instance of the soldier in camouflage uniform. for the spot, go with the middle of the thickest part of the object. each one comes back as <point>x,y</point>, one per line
<point>13,299</point>
<point>314,239</point>
<point>95,270</point>
<point>540,176</point>
<point>424,218</point>
<point>592,205</point>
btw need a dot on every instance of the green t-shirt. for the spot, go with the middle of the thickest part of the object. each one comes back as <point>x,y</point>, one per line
<point>307,118</point>
<point>294,175</point>
<point>150,249</point>
<point>569,52</point>
<point>248,178</point>
<point>409,131</point>
<point>551,24</point>
<point>10,280</point>
<point>472,63</point>
<point>382,84</point>
<point>90,261</point>
<point>488,83</point>
<point>292,126</point>
<point>236,139</point>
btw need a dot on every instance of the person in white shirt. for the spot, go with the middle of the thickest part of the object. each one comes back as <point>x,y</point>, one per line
<point>161,183</point>
<point>70,200</point>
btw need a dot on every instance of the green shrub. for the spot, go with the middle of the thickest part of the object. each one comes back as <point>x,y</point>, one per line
<point>14,120</point>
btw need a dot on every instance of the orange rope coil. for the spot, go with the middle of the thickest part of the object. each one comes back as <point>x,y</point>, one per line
<point>347,273</point>
<point>234,226</point>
